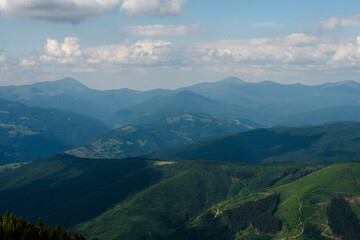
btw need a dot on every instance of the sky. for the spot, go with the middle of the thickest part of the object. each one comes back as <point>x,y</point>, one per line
<point>147,44</point>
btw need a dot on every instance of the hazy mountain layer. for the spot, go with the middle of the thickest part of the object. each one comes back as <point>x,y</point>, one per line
<point>136,140</point>
<point>185,102</point>
<point>326,143</point>
<point>29,133</point>
<point>21,143</point>
<point>70,95</point>
<point>317,117</point>
<point>268,103</point>
<point>280,100</point>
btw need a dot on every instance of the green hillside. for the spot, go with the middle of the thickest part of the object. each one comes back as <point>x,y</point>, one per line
<point>135,140</point>
<point>302,206</point>
<point>138,198</point>
<point>115,198</point>
<point>194,186</point>
<point>320,144</point>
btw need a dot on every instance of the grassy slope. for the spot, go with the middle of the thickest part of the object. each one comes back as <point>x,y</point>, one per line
<point>188,188</point>
<point>309,195</point>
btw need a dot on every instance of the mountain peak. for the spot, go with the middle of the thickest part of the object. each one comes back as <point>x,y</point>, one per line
<point>232,80</point>
<point>65,84</point>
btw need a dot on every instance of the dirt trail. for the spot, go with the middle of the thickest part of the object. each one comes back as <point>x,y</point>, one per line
<point>217,213</point>
<point>327,229</point>
<point>301,223</point>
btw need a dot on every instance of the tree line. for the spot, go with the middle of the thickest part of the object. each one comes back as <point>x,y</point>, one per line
<point>342,220</point>
<point>12,228</point>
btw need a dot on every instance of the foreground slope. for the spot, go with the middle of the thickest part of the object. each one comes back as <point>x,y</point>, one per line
<point>325,143</point>
<point>160,210</point>
<point>127,198</point>
<point>67,190</point>
<point>136,140</point>
<point>301,209</point>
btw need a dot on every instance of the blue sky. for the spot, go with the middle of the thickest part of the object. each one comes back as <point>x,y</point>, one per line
<point>146,44</point>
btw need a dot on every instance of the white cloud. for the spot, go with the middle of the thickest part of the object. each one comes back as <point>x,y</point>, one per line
<point>147,52</point>
<point>256,57</point>
<point>152,7</point>
<point>161,30</point>
<point>334,23</point>
<point>75,11</point>
<point>294,48</point>
<point>2,58</point>
<point>67,52</point>
<point>348,52</point>
<point>27,62</point>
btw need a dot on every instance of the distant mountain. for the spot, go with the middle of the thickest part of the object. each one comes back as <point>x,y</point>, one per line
<point>57,130</point>
<point>267,103</point>
<point>185,102</point>
<point>136,140</point>
<point>317,117</point>
<point>69,94</point>
<point>280,100</point>
<point>319,144</point>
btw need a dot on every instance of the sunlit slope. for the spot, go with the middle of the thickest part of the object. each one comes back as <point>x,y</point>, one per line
<point>188,188</point>
<point>302,206</point>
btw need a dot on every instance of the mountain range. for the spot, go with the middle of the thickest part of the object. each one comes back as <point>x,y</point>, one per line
<point>266,103</point>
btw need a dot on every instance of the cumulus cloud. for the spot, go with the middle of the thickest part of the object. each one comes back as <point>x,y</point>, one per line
<point>75,11</point>
<point>161,30</point>
<point>295,48</point>
<point>27,62</point>
<point>66,52</point>
<point>256,57</point>
<point>146,52</point>
<point>152,7</point>
<point>334,23</point>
